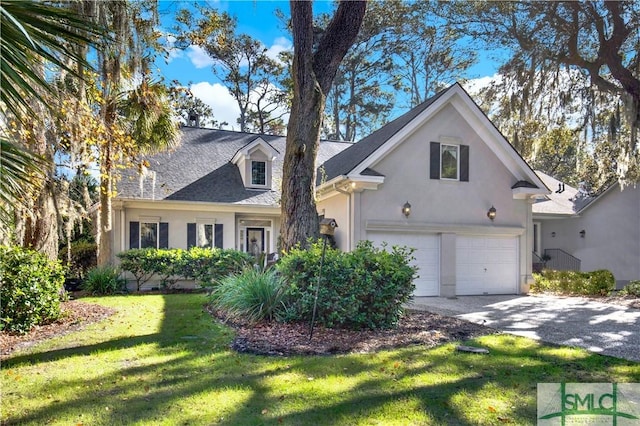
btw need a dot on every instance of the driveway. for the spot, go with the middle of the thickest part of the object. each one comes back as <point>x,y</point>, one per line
<point>572,321</point>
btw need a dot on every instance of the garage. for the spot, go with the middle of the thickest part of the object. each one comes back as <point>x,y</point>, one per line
<point>427,257</point>
<point>486,265</point>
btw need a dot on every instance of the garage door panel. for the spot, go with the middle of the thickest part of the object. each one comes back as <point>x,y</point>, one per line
<point>426,254</point>
<point>486,265</point>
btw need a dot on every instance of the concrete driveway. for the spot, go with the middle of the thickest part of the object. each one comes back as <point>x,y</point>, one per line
<point>572,321</point>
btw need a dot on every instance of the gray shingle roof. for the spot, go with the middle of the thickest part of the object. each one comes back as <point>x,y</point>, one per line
<point>347,160</point>
<point>200,169</point>
<point>563,200</point>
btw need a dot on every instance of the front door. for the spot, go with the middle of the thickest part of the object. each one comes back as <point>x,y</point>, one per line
<point>255,241</point>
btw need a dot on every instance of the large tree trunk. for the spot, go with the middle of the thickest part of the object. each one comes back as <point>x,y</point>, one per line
<point>313,74</point>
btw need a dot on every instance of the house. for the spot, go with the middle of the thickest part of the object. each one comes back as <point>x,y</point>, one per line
<point>440,178</point>
<point>576,231</point>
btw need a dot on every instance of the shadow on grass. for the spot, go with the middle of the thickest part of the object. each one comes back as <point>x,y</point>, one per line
<point>196,361</point>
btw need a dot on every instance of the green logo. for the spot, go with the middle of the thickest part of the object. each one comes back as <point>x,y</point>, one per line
<point>616,404</point>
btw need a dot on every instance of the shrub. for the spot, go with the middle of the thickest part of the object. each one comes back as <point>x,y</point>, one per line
<point>252,295</point>
<point>631,289</point>
<point>205,265</point>
<point>104,280</point>
<point>31,288</point>
<point>83,258</point>
<point>140,262</point>
<point>365,288</point>
<point>595,283</point>
<point>209,265</point>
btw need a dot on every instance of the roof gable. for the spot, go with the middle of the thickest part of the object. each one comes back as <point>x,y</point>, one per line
<point>365,154</point>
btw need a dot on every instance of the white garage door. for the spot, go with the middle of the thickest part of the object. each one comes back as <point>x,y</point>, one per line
<point>486,265</point>
<point>427,257</point>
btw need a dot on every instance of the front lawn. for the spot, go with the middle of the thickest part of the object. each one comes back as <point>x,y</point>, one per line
<point>162,360</point>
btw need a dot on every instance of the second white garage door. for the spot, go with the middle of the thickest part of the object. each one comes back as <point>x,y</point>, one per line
<point>427,257</point>
<point>486,265</point>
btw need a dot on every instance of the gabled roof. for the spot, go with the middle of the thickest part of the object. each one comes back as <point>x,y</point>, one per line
<point>344,162</point>
<point>259,143</point>
<point>200,169</point>
<point>360,159</point>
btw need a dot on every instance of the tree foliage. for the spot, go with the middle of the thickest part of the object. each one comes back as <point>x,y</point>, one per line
<point>568,55</point>
<point>242,64</point>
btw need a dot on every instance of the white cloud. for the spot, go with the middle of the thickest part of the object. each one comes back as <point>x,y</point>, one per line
<point>220,100</point>
<point>199,57</point>
<point>280,44</point>
<point>475,85</point>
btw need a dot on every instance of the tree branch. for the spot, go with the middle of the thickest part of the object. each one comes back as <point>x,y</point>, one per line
<point>336,41</point>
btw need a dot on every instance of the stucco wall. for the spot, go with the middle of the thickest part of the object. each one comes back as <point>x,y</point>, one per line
<point>338,208</point>
<point>406,171</point>
<point>178,216</point>
<point>612,234</point>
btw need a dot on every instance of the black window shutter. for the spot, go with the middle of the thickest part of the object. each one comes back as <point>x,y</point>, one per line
<point>464,163</point>
<point>191,235</point>
<point>218,236</point>
<point>434,161</point>
<point>164,235</point>
<point>134,235</point>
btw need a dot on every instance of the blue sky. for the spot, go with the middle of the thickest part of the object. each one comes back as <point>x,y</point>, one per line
<point>256,18</point>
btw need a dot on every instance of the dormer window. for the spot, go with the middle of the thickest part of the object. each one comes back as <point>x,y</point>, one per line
<point>255,164</point>
<point>258,173</point>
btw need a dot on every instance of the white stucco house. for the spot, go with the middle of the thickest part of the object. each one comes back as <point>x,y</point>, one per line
<point>440,178</point>
<point>576,231</point>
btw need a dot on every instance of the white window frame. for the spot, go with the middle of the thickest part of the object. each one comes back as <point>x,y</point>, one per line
<point>266,171</point>
<point>157,225</point>
<point>442,150</point>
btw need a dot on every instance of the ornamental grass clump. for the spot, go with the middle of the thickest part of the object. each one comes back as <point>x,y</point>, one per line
<point>104,280</point>
<point>253,295</point>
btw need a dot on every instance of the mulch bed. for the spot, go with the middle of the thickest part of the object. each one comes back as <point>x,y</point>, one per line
<point>75,316</point>
<point>415,328</point>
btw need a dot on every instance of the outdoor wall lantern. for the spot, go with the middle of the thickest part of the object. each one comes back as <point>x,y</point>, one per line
<point>406,209</point>
<point>582,233</point>
<point>491,214</point>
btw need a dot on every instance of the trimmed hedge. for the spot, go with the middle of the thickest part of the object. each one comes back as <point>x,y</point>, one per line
<point>595,283</point>
<point>205,265</point>
<point>31,289</point>
<point>362,289</point>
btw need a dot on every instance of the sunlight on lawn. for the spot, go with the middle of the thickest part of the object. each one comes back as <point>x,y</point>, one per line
<point>163,360</point>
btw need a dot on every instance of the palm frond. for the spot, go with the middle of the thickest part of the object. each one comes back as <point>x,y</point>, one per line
<point>33,33</point>
<point>20,170</point>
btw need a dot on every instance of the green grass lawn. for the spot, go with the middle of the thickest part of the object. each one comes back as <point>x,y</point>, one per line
<point>162,360</point>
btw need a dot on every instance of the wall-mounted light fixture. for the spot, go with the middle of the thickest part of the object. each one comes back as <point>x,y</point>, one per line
<point>406,209</point>
<point>582,233</point>
<point>553,234</point>
<point>491,214</point>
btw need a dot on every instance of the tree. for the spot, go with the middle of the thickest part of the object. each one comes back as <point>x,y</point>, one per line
<point>314,68</point>
<point>599,40</point>
<point>241,63</point>
<point>358,101</point>
<point>185,105</point>
<point>33,35</point>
